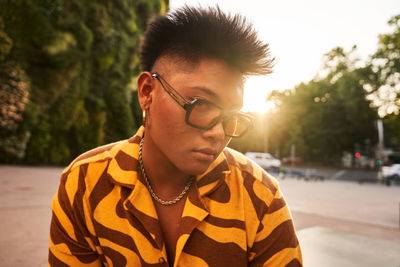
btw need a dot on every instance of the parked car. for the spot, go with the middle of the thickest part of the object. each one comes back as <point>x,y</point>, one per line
<point>294,160</point>
<point>391,173</point>
<point>265,160</point>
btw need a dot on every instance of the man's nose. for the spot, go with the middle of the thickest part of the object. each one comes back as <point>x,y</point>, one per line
<point>216,132</point>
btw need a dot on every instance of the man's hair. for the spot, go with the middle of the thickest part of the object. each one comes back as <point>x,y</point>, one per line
<point>192,33</point>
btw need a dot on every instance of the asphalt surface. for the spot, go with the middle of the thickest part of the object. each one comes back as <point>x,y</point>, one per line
<point>339,223</point>
<point>356,175</point>
<point>25,212</point>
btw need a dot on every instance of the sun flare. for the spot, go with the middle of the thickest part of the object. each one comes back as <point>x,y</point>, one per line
<point>255,95</point>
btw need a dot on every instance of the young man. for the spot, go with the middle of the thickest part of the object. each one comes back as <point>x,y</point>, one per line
<point>173,194</point>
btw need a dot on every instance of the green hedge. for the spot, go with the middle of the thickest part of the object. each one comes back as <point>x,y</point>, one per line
<point>66,75</point>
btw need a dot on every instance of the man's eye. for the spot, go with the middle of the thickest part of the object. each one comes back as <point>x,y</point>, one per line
<point>205,103</point>
<point>199,100</point>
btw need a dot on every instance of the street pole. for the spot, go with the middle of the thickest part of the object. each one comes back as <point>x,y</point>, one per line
<point>265,124</point>
<point>292,157</point>
<point>380,150</point>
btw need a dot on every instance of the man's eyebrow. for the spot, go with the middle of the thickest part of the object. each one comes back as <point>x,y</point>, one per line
<point>207,91</point>
<point>215,96</point>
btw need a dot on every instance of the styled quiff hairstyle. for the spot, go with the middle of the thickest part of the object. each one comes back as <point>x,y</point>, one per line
<point>192,33</point>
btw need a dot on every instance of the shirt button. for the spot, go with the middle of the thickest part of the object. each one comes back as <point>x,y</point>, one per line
<point>161,260</point>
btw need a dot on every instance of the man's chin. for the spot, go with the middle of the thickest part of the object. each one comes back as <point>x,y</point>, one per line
<point>197,170</point>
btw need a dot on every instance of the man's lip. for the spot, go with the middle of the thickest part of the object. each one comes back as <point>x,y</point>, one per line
<point>208,151</point>
<point>205,154</point>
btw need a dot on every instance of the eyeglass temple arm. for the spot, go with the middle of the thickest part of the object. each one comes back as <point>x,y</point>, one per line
<point>171,91</point>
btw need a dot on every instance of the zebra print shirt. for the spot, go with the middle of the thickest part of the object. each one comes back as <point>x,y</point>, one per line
<point>103,215</point>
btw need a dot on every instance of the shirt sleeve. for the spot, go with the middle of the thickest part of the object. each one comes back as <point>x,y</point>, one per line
<point>276,243</point>
<point>70,243</point>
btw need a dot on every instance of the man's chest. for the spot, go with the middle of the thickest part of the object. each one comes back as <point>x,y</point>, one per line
<point>169,219</point>
<point>184,231</point>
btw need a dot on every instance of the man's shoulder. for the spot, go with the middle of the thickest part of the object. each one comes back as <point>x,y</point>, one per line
<point>249,170</point>
<point>98,154</point>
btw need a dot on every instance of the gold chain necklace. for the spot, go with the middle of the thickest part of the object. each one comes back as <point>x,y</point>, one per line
<point>159,200</point>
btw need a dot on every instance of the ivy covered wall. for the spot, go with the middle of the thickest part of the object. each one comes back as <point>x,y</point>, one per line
<point>67,75</point>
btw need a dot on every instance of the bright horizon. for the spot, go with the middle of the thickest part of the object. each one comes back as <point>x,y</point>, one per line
<point>301,32</point>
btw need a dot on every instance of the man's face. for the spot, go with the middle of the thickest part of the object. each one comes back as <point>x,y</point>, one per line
<point>189,149</point>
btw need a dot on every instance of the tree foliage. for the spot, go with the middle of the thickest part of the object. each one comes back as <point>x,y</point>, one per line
<point>325,116</point>
<point>337,111</point>
<point>391,124</point>
<point>68,65</point>
<point>385,83</point>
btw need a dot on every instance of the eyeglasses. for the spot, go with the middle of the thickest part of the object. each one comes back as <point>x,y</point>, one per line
<point>202,114</point>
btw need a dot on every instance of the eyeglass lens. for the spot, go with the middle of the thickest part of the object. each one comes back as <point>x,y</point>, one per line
<point>236,125</point>
<point>204,114</point>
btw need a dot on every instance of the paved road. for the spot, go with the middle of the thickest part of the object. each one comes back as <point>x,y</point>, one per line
<point>357,175</point>
<point>331,217</point>
<point>25,211</point>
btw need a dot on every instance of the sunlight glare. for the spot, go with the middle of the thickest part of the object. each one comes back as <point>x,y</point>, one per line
<point>255,94</point>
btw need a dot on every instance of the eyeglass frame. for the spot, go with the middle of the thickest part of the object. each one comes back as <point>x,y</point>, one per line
<point>189,105</point>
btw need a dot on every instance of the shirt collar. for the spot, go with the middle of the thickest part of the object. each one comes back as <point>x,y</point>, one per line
<point>124,166</point>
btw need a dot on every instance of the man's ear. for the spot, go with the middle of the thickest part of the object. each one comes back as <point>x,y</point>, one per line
<point>145,84</point>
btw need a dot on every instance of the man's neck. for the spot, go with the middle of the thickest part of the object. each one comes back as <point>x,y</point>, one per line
<point>166,179</point>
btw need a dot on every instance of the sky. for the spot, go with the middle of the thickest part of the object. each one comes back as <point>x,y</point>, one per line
<point>301,32</point>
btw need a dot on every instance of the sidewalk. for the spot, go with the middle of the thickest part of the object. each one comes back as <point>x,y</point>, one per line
<point>375,204</point>
<point>338,223</point>
<point>345,223</point>
<point>326,247</point>
<point>25,212</point>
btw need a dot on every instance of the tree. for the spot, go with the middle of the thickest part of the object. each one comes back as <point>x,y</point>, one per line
<point>384,83</point>
<point>327,115</point>
<point>391,125</point>
<point>335,112</point>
